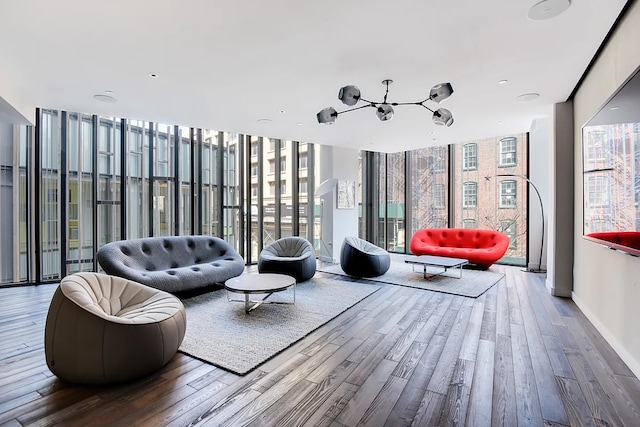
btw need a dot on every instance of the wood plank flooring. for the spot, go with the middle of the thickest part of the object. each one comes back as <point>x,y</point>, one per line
<point>515,356</point>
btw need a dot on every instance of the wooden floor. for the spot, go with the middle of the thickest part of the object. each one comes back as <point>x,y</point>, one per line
<point>403,356</point>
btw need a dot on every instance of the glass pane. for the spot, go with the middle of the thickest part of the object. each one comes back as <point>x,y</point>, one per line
<point>13,218</point>
<point>230,231</point>
<point>137,179</point>
<point>286,190</point>
<point>491,201</point>
<point>395,202</point>
<point>50,184</point>
<point>429,188</point>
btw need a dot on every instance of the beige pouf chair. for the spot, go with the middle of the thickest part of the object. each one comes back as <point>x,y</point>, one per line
<point>104,329</point>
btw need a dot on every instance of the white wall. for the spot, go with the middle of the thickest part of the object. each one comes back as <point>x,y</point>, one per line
<point>539,141</point>
<point>15,107</point>
<point>340,163</point>
<point>607,283</point>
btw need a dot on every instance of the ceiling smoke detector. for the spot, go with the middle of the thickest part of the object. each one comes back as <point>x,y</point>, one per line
<point>547,9</point>
<point>105,98</point>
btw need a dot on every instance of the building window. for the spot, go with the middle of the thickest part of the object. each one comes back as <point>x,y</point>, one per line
<point>510,228</point>
<point>283,187</point>
<point>272,188</point>
<point>598,188</point>
<point>303,186</point>
<point>508,152</point>
<point>283,164</point>
<point>439,159</point>
<point>254,190</point>
<point>600,225</point>
<point>470,156</point>
<point>469,223</point>
<point>272,145</point>
<point>439,223</point>
<point>508,194</point>
<point>254,148</point>
<point>469,195</point>
<point>598,146</point>
<point>254,169</point>
<point>272,166</point>
<point>302,161</point>
<point>438,196</point>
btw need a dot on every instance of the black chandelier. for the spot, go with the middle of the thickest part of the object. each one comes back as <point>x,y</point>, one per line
<point>350,96</point>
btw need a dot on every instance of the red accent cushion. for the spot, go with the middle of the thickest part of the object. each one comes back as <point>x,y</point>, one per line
<point>481,247</point>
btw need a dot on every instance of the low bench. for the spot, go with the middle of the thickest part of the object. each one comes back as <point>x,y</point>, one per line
<point>174,263</point>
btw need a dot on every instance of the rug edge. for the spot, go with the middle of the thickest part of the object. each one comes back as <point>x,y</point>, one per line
<point>254,367</point>
<point>377,280</point>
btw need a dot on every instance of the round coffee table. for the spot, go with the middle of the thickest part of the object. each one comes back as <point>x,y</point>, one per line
<point>265,283</point>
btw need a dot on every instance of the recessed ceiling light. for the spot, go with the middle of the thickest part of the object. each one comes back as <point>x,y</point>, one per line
<point>547,9</point>
<point>282,111</point>
<point>109,92</point>
<point>614,108</point>
<point>264,120</point>
<point>153,75</point>
<point>528,96</point>
<point>503,82</point>
<point>105,98</point>
<point>299,124</point>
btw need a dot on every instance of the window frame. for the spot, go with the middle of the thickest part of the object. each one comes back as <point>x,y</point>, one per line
<point>466,194</point>
<point>470,156</point>
<point>504,194</point>
<point>505,143</point>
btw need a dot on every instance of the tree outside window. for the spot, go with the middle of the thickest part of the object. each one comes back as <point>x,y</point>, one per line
<point>439,196</point>
<point>510,228</point>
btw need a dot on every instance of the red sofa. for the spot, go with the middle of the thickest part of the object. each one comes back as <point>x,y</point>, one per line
<point>481,247</point>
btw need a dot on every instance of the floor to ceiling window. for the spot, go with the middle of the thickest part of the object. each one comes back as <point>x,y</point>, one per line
<point>476,184</point>
<point>490,192</point>
<point>15,185</point>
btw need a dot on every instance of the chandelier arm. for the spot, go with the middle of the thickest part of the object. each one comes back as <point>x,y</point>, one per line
<point>357,108</point>
<point>426,107</point>
<point>370,102</point>
<point>406,103</point>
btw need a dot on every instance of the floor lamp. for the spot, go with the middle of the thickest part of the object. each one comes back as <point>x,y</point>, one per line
<point>323,189</point>
<point>539,269</point>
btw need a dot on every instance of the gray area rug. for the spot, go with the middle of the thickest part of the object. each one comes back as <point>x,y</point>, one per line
<point>221,333</point>
<point>472,284</point>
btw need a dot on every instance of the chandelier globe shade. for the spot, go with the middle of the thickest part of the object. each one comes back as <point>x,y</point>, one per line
<point>442,117</point>
<point>349,95</point>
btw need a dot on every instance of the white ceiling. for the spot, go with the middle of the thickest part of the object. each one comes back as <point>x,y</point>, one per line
<point>227,64</point>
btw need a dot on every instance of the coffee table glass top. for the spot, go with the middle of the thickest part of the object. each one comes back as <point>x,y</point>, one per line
<point>259,283</point>
<point>435,260</point>
<point>445,263</point>
<point>263,283</point>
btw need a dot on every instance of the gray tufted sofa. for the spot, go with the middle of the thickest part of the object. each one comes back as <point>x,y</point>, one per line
<point>293,256</point>
<point>172,264</point>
